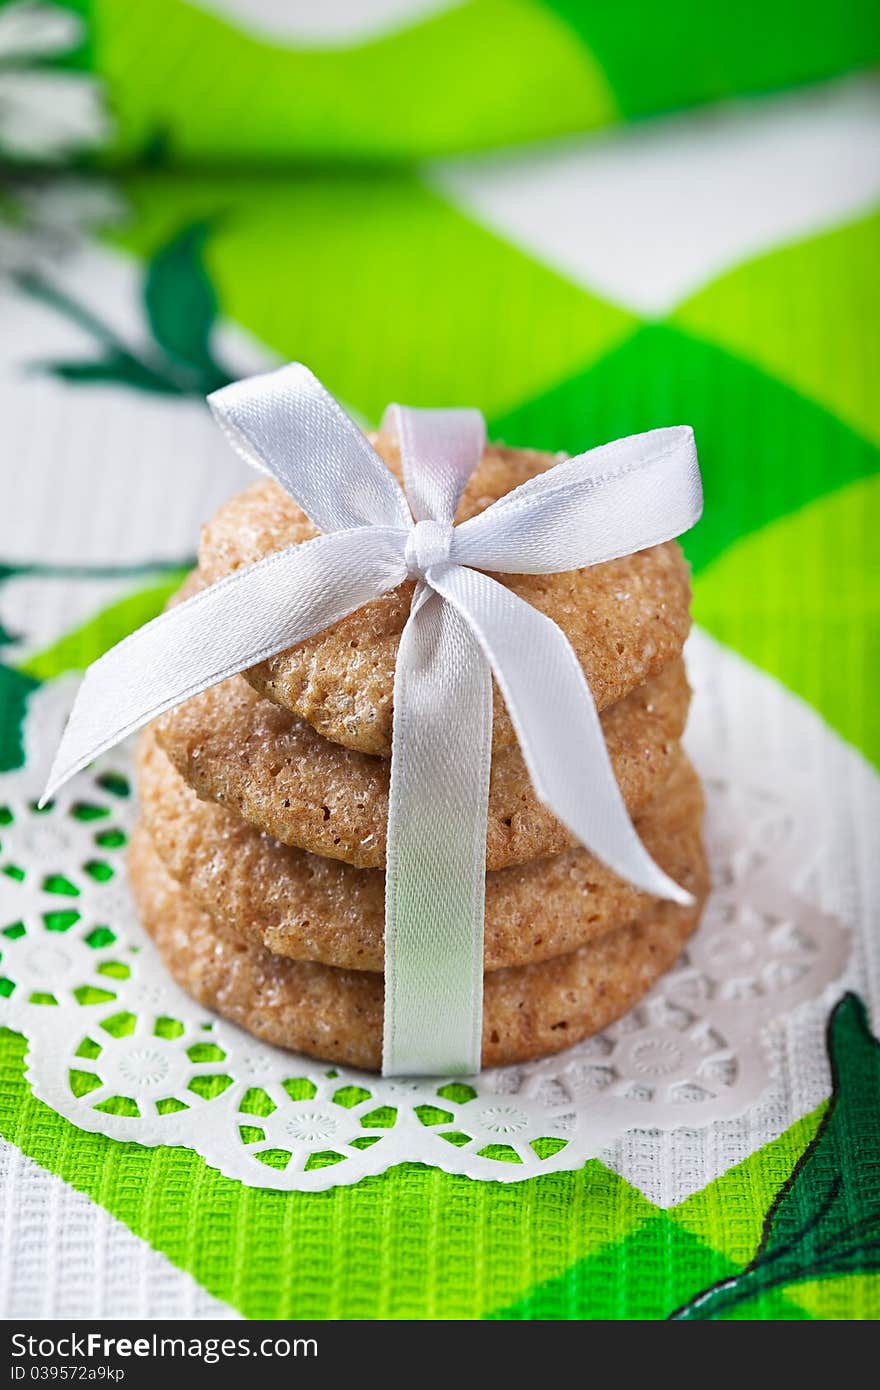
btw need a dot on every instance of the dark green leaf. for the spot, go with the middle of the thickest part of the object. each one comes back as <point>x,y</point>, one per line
<point>168,374</point>
<point>119,368</point>
<point>836,1186</point>
<point>156,150</point>
<point>826,1219</point>
<point>181,300</point>
<point>14,690</point>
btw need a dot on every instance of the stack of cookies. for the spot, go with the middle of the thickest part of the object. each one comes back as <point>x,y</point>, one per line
<point>258,862</point>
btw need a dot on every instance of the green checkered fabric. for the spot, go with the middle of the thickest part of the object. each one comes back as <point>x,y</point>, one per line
<point>358,259</point>
<point>191,82</point>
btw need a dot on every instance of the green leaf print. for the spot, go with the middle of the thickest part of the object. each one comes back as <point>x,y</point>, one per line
<point>119,367</point>
<point>15,687</point>
<point>180,304</point>
<point>825,1221</point>
<point>181,301</point>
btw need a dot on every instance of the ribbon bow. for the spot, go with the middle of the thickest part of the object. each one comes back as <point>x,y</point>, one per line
<point>462,627</point>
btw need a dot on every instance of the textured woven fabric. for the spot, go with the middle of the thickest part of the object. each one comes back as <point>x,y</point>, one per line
<point>717,269</point>
<point>65,1256</point>
<point>402,79</point>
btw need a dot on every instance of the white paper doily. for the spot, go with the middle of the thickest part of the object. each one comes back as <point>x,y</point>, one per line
<point>116,1047</point>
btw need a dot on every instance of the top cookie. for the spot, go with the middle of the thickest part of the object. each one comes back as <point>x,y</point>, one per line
<point>626,619</point>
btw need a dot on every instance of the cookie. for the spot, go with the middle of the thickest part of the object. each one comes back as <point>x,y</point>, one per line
<point>271,767</point>
<point>306,907</point>
<point>626,619</point>
<point>529,1011</point>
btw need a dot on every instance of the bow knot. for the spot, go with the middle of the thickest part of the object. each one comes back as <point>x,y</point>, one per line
<point>428,543</point>
<point>463,627</point>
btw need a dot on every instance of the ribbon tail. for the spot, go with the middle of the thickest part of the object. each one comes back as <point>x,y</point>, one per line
<point>556,721</point>
<point>436,855</point>
<point>245,618</point>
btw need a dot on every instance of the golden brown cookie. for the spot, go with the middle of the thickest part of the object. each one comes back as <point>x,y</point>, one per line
<point>529,1011</point>
<point>306,907</point>
<point>626,619</point>
<point>271,767</point>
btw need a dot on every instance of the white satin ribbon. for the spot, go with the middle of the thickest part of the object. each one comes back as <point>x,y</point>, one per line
<point>463,626</point>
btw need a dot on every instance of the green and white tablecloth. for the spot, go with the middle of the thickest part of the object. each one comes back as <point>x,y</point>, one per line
<point>193,190</point>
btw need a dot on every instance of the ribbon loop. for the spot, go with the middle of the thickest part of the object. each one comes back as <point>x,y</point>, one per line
<point>439,450</point>
<point>612,501</point>
<point>286,424</point>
